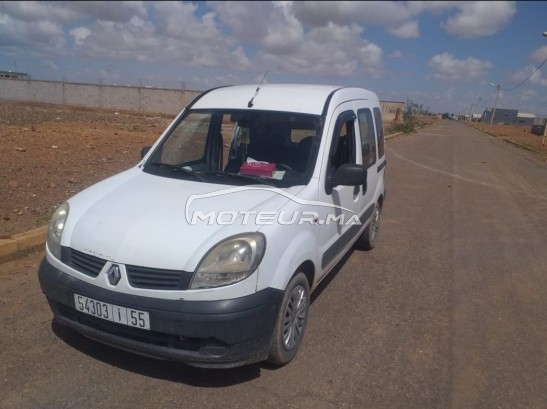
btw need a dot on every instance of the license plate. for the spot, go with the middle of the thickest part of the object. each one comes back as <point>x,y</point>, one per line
<point>111,312</point>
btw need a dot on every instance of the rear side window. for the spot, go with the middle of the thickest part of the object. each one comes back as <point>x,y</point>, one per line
<point>379,131</point>
<point>368,136</point>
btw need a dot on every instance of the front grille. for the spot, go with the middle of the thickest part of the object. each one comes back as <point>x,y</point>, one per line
<point>139,277</point>
<point>84,263</point>
<point>158,279</point>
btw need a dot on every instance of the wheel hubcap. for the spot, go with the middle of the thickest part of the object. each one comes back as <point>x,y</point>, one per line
<point>295,318</point>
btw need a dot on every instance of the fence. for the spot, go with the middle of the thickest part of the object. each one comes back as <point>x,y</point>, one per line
<point>125,98</point>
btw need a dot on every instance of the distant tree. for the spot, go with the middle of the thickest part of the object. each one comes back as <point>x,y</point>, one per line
<point>411,113</point>
<point>410,116</point>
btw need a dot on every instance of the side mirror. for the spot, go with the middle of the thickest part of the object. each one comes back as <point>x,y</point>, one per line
<point>144,151</point>
<point>349,174</point>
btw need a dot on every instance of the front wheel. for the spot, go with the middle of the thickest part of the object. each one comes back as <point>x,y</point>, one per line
<point>291,321</point>
<point>367,241</point>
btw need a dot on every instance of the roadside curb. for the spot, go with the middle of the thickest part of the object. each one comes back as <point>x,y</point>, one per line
<point>393,135</point>
<point>482,130</point>
<point>18,244</point>
<point>520,145</point>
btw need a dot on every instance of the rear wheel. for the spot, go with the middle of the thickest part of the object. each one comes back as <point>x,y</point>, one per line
<point>367,241</point>
<point>291,321</point>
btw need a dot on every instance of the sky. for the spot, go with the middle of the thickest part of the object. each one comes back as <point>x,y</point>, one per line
<point>442,55</point>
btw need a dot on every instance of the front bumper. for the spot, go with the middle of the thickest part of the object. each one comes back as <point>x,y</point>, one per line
<point>221,333</point>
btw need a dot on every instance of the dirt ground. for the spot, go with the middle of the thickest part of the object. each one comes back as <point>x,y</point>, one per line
<point>50,152</point>
<point>522,135</point>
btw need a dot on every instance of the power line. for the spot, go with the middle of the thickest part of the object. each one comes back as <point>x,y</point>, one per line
<point>518,85</point>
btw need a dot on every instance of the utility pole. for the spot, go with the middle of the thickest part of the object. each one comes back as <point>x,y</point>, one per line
<point>471,113</point>
<point>478,105</point>
<point>545,125</point>
<point>544,133</point>
<point>498,87</point>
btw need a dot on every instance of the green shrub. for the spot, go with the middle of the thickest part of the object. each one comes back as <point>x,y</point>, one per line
<point>410,120</point>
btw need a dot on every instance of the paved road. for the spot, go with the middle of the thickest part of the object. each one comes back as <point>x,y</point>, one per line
<point>449,311</point>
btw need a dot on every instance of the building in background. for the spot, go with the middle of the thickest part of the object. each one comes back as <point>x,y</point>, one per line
<point>392,110</point>
<point>501,116</point>
<point>14,75</point>
<point>525,119</point>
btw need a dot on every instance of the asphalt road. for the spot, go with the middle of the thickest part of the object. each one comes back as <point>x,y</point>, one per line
<point>449,311</point>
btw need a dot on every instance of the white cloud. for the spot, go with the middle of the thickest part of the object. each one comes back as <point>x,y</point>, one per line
<point>282,33</point>
<point>177,35</point>
<point>370,57</point>
<point>41,37</point>
<point>528,94</point>
<point>38,27</point>
<point>446,67</point>
<point>396,54</point>
<point>79,34</point>
<point>448,93</point>
<point>31,11</point>
<point>245,20</point>
<point>234,42</point>
<point>117,11</point>
<point>540,54</point>
<point>406,30</point>
<point>241,58</point>
<point>390,14</point>
<point>179,21</point>
<point>51,65</point>
<point>287,45</point>
<point>69,11</point>
<point>331,52</point>
<point>401,17</point>
<point>479,19</point>
<point>537,78</point>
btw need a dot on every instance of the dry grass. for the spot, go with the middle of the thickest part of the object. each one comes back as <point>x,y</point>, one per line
<point>521,135</point>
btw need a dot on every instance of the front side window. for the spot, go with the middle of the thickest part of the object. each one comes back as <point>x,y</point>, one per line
<point>343,141</point>
<point>240,147</point>
<point>342,150</point>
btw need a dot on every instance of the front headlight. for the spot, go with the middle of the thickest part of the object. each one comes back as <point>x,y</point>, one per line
<point>230,261</point>
<point>55,229</point>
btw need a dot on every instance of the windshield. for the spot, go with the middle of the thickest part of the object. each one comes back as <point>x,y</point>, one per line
<point>240,147</point>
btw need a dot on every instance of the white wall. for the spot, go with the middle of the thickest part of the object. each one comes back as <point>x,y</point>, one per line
<point>124,98</point>
<point>140,99</point>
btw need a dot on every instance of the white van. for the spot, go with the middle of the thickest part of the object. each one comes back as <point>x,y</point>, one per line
<point>207,250</point>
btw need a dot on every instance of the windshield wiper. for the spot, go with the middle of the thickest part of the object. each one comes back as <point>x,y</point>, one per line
<point>177,169</point>
<point>243,176</point>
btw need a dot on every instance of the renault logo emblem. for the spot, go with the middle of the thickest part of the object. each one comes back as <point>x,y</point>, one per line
<point>114,274</point>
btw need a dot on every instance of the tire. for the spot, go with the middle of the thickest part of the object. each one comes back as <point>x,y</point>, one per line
<point>367,241</point>
<point>291,321</point>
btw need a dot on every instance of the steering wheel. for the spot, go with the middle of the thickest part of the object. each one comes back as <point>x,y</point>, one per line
<point>285,167</point>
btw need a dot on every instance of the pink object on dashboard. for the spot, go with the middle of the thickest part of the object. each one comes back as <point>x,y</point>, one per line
<point>258,168</point>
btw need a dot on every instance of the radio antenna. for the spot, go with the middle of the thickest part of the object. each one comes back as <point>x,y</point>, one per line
<point>250,104</point>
